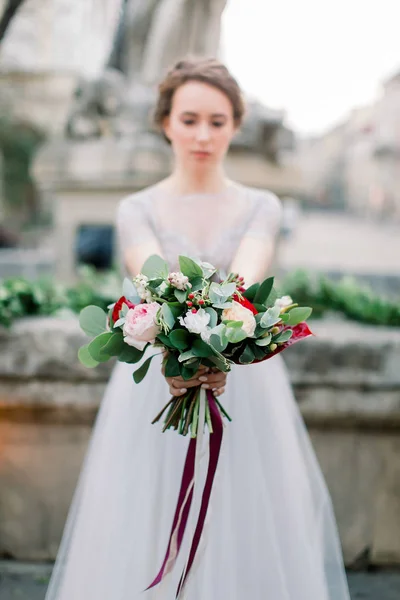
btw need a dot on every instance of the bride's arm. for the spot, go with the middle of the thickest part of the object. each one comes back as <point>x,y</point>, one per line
<point>137,240</point>
<point>256,251</point>
<point>253,259</point>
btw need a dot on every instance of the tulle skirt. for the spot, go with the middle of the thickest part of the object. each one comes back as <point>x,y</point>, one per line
<point>270,532</point>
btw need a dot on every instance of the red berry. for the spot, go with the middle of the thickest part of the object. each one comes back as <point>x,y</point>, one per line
<point>191,296</point>
<point>194,310</point>
<point>189,303</point>
<point>201,302</point>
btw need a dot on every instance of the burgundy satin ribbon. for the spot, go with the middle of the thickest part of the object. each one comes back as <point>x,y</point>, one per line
<point>184,507</point>
<point>215,448</point>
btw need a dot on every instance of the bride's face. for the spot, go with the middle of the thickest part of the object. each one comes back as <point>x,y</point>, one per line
<point>200,125</point>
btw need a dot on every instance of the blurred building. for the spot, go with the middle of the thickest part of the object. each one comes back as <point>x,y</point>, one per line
<point>356,165</point>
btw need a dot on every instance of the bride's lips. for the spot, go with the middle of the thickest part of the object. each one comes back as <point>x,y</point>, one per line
<point>201,153</point>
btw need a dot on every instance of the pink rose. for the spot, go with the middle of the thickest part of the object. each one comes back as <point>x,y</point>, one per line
<point>140,326</point>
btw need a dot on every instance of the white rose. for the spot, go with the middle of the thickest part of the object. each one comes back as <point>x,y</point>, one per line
<point>196,322</point>
<point>283,302</point>
<point>140,326</point>
<point>237,312</point>
<point>179,281</point>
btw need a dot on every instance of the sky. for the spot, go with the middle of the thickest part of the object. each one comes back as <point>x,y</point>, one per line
<point>316,59</point>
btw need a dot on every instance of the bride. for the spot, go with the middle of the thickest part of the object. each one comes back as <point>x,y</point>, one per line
<point>270,531</point>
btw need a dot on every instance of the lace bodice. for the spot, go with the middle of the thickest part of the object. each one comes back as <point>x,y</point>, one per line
<point>207,226</point>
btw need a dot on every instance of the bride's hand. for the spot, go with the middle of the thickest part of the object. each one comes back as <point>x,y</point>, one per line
<point>213,379</point>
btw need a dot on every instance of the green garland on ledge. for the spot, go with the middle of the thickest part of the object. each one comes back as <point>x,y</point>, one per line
<point>22,298</point>
<point>346,297</point>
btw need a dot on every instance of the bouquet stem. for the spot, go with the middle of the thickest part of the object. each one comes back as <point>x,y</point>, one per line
<point>183,413</point>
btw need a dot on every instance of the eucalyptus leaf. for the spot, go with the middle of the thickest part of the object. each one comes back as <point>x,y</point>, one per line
<point>141,372</point>
<point>93,320</point>
<point>298,315</point>
<point>168,315</point>
<point>96,347</point>
<point>172,366</point>
<point>222,305</point>
<point>129,291</point>
<point>188,371</point>
<point>180,295</point>
<point>271,317</point>
<point>130,355</point>
<point>164,339</point>
<point>115,344</point>
<point>213,317</point>
<point>208,269</point>
<point>218,340</point>
<point>186,355</point>
<point>201,349</point>
<point>220,363</point>
<point>179,338</point>
<point>264,341</point>
<point>228,289</point>
<point>259,352</point>
<point>189,267</point>
<point>283,337</point>
<point>247,356</point>
<point>155,267</point>
<point>197,284</point>
<point>119,322</point>
<point>86,358</point>
<point>235,335</point>
<point>233,324</point>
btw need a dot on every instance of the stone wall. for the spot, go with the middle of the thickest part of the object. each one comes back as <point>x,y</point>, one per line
<point>346,380</point>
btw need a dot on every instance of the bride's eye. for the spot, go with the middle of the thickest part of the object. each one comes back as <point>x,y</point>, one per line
<point>188,122</point>
<point>218,124</point>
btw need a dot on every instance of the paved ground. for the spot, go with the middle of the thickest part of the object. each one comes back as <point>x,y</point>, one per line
<point>24,582</point>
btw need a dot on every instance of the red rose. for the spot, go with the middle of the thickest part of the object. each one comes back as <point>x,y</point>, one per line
<point>246,303</point>
<point>118,307</point>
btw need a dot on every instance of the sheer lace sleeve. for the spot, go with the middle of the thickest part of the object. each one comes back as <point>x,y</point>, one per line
<point>266,218</point>
<point>137,239</point>
<point>133,225</point>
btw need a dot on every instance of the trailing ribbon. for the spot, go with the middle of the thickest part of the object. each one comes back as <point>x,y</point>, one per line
<point>186,496</point>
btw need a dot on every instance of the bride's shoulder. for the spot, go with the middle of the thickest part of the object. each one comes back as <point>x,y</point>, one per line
<point>135,203</point>
<point>262,198</point>
<point>138,197</point>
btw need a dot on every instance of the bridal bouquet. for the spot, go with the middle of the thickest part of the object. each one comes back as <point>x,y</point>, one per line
<point>195,321</point>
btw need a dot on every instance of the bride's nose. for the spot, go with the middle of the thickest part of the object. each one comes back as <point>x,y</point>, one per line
<point>203,132</point>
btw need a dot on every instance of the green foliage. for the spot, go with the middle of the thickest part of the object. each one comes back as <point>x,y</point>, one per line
<point>345,297</point>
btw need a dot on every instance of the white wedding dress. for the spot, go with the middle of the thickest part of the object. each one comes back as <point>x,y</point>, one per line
<point>270,532</point>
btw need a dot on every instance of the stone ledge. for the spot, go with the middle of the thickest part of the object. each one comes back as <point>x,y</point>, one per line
<point>341,354</point>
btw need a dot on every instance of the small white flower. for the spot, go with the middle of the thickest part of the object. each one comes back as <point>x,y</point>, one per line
<point>283,302</point>
<point>179,281</point>
<point>141,282</point>
<point>196,322</point>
